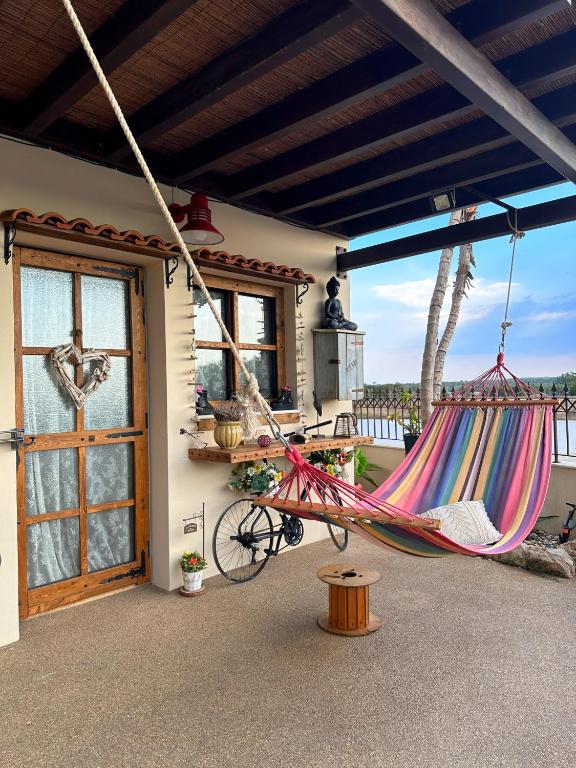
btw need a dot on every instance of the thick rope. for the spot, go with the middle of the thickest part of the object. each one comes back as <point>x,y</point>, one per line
<point>517,234</point>
<point>252,384</point>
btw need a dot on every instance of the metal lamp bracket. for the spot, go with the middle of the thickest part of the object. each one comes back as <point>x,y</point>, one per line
<point>169,270</point>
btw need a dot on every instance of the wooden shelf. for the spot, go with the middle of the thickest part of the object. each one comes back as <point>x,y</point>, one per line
<point>207,423</point>
<point>276,449</point>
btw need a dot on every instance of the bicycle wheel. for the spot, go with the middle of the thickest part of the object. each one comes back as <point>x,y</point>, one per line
<point>242,540</point>
<point>339,536</point>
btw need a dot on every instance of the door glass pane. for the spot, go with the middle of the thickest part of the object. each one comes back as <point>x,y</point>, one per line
<point>110,538</point>
<point>105,313</point>
<point>207,329</point>
<point>256,319</point>
<point>110,404</point>
<point>211,372</point>
<point>47,317</point>
<point>47,405</point>
<point>51,481</point>
<point>109,473</point>
<point>263,365</point>
<point>53,551</point>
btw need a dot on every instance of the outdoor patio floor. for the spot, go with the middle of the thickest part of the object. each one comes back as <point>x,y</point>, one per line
<point>474,666</point>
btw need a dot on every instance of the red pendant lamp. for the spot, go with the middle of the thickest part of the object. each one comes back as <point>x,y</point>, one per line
<point>198,229</point>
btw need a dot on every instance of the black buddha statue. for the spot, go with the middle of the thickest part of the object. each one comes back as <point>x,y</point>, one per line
<point>333,313</point>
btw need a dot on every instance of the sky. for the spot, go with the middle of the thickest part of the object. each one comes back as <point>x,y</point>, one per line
<point>390,302</point>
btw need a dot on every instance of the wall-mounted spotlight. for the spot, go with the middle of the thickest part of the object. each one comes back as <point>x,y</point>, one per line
<point>444,201</point>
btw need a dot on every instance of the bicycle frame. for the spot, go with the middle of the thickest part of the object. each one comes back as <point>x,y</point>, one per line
<point>277,533</point>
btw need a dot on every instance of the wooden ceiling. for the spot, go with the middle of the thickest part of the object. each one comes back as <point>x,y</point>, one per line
<point>310,112</point>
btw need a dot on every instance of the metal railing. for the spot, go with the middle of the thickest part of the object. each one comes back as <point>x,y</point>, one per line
<point>383,412</point>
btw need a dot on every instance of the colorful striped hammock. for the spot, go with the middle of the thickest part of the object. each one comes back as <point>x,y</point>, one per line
<point>491,440</point>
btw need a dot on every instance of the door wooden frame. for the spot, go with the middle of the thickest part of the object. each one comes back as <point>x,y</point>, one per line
<point>45,598</point>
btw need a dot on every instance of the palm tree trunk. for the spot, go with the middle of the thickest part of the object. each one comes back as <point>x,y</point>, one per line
<point>462,281</point>
<point>436,302</point>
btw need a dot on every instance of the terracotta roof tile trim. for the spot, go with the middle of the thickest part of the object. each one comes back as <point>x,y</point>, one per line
<point>133,237</point>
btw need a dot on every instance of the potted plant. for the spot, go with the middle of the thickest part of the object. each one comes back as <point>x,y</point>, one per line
<point>228,429</point>
<point>255,476</point>
<point>192,565</point>
<point>332,460</point>
<point>362,467</point>
<point>409,420</point>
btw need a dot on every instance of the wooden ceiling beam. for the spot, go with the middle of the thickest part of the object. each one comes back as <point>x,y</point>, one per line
<point>280,40</point>
<point>424,32</point>
<point>115,41</point>
<point>503,186</point>
<point>372,75</point>
<point>435,151</point>
<point>531,217</point>
<point>555,59</point>
<point>492,164</point>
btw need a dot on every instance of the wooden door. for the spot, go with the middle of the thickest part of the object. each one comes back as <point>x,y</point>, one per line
<point>82,473</point>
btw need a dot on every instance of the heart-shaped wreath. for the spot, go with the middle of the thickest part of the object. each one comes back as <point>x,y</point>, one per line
<point>70,353</point>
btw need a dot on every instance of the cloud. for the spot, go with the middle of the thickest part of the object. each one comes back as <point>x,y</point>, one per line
<point>483,297</point>
<point>551,317</point>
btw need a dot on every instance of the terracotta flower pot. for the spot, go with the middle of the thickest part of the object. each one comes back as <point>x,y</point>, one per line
<point>228,434</point>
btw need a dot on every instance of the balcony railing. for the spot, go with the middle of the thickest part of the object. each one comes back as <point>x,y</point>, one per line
<point>383,411</point>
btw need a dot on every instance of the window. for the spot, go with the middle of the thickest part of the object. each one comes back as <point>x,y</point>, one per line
<point>254,318</point>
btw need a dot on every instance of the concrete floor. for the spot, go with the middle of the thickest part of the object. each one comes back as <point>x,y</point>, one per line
<point>475,666</point>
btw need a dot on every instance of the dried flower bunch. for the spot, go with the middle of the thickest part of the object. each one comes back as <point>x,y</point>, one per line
<point>231,412</point>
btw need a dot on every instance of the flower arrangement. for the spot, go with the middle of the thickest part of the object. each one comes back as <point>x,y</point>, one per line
<point>229,413</point>
<point>191,562</point>
<point>255,476</point>
<point>331,460</point>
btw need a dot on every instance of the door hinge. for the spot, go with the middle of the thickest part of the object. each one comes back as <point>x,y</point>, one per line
<point>146,419</point>
<point>133,573</point>
<point>132,433</point>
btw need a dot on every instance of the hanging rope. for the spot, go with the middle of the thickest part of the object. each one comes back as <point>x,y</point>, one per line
<point>516,235</point>
<point>251,388</point>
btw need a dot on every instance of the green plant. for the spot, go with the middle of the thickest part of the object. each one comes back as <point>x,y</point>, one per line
<point>331,460</point>
<point>408,419</point>
<point>190,562</point>
<point>362,467</point>
<point>255,476</point>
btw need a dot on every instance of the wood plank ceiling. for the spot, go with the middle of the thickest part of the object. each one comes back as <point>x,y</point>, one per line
<point>310,112</point>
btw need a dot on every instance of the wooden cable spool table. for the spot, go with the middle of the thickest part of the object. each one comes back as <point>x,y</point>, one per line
<point>348,600</point>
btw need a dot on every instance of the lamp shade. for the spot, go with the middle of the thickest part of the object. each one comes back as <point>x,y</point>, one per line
<point>198,228</point>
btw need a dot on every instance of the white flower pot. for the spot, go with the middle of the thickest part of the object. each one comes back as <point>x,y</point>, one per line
<point>192,581</point>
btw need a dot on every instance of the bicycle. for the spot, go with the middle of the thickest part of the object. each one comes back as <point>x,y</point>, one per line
<point>244,526</point>
<point>569,523</point>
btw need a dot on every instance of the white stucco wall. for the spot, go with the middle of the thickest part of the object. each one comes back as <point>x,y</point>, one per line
<point>47,181</point>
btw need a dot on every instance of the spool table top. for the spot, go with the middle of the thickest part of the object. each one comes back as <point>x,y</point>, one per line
<point>348,575</point>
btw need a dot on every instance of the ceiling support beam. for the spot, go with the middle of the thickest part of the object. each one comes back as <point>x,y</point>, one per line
<point>489,165</point>
<point>134,24</point>
<point>429,36</point>
<point>280,40</point>
<point>531,217</point>
<point>437,151</point>
<point>550,60</point>
<point>370,76</point>
<point>500,186</point>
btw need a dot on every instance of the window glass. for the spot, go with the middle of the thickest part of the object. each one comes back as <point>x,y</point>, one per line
<point>111,404</point>
<point>207,329</point>
<point>262,363</point>
<point>211,366</point>
<point>47,317</point>
<point>105,309</point>
<point>256,319</point>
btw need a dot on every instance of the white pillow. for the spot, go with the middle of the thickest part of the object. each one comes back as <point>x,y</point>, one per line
<point>465,522</point>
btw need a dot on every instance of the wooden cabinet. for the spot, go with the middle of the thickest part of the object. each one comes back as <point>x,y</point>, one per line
<point>338,364</point>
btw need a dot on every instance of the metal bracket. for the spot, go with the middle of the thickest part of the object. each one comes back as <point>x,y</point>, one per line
<point>9,237</point>
<point>131,274</point>
<point>13,436</point>
<point>133,573</point>
<point>190,526</point>
<point>168,272</point>
<point>301,293</point>
<point>189,278</point>
<point>339,251</point>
